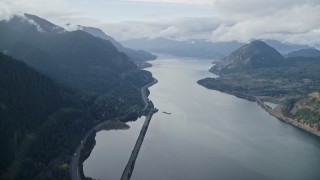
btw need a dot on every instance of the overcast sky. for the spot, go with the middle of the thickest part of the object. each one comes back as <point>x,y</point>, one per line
<point>295,21</point>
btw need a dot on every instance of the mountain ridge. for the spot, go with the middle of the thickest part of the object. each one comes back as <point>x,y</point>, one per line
<point>136,55</point>
<point>311,52</point>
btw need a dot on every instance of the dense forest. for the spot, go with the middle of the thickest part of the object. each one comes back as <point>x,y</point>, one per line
<point>40,121</point>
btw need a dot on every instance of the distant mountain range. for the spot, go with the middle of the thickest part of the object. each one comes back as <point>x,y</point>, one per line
<point>202,48</point>
<point>304,53</point>
<point>196,48</point>
<point>283,47</point>
<point>136,55</point>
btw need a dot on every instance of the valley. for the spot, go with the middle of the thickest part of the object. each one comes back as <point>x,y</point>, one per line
<point>159,89</point>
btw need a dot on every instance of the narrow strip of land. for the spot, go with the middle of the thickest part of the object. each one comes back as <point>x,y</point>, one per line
<point>129,167</point>
<point>74,167</point>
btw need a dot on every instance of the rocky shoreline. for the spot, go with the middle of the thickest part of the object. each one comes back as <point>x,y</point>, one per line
<point>276,112</point>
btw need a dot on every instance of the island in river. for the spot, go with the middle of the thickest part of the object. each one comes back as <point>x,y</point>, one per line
<point>257,72</point>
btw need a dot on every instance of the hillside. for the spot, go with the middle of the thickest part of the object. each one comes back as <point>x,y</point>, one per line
<point>40,123</point>
<point>305,109</point>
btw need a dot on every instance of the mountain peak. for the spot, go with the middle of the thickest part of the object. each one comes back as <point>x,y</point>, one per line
<point>256,54</point>
<point>258,43</point>
<point>43,25</point>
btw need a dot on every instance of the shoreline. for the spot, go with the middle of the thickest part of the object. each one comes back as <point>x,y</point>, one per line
<point>276,112</point>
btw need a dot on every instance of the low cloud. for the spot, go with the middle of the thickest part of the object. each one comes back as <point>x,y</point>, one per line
<point>188,2</point>
<point>182,29</point>
<point>287,20</point>
<point>292,21</point>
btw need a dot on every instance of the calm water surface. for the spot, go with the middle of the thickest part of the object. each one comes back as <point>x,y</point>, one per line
<point>209,135</point>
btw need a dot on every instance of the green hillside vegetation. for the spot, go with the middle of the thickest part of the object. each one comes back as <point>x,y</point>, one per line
<point>40,123</point>
<point>305,109</point>
<point>300,77</point>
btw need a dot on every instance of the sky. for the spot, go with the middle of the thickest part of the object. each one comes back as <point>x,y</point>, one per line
<point>295,21</point>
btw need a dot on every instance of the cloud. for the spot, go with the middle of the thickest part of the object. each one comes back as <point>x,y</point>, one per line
<point>292,21</point>
<point>287,20</point>
<point>185,2</point>
<point>182,29</point>
<point>59,12</point>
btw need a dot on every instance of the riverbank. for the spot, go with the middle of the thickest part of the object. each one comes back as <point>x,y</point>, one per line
<point>276,112</point>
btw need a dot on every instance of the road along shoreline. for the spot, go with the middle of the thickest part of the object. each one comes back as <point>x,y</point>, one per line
<point>126,175</point>
<point>127,172</point>
<point>74,165</point>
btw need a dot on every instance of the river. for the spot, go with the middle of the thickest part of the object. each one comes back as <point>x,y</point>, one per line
<point>208,135</point>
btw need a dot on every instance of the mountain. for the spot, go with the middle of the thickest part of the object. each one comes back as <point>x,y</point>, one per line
<point>136,55</point>
<point>195,48</point>
<point>256,54</point>
<point>304,53</point>
<point>76,59</point>
<point>283,47</point>
<point>40,123</point>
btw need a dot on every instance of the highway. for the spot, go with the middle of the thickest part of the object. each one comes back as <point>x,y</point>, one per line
<point>130,165</point>
<point>74,167</point>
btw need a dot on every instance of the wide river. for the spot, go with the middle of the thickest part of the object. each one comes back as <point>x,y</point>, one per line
<point>209,135</point>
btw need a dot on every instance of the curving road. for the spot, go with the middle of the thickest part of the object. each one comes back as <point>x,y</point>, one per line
<point>74,167</point>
